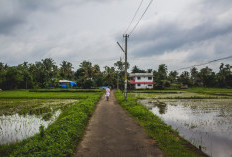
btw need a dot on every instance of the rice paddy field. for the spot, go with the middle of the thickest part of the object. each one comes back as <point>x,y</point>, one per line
<point>203,116</point>
<point>42,122</point>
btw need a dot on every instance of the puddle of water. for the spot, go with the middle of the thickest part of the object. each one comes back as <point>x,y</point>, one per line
<point>205,122</point>
<point>14,128</point>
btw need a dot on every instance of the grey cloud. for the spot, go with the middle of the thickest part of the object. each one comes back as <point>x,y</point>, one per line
<point>7,25</point>
<point>171,36</point>
<point>16,12</point>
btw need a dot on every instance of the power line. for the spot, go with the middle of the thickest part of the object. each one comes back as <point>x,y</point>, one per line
<point>140,18</point>
<point>205,63</point>
<point>134,16</point>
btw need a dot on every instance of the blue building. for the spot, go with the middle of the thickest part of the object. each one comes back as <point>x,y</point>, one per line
<point>67,84</point>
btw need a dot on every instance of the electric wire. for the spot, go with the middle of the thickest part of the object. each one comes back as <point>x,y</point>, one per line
<point>140,18</point>
<point>215,60</point>
<point>134,16</point>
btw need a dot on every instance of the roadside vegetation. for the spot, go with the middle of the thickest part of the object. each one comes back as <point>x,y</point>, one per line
<point>66,90</point>
<point>61,137</point>
<point>167,138</point>
<point>11,94</point>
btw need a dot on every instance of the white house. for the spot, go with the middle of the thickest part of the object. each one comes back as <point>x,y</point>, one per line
<point>141,80</point>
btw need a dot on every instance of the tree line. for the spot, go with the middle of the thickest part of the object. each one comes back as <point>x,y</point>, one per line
<point>46,73</point>
<point>204,77</point>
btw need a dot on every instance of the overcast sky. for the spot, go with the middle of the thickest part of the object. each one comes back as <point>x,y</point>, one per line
<point>177,33</point>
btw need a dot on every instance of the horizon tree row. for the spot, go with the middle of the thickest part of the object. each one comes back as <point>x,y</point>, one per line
<point>46,73</point>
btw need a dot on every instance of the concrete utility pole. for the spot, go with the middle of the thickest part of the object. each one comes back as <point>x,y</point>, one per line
<point>126,36</point>
<point>125,90</point>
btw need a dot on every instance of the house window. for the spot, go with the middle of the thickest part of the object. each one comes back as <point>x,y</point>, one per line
<point>138,84</point>
<point>149,78</point>
<point>149,85</point>
<point>138,78</point>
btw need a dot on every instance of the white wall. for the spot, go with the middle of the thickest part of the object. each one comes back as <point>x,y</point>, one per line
<point>143,86</point>
<point>142,79</point>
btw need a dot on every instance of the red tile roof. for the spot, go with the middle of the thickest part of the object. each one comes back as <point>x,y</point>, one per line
<point>133,81</point>
<point>140,75</point>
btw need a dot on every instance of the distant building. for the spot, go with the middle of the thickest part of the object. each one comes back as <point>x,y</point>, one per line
<point>66,84</point>
<point>141,80</point>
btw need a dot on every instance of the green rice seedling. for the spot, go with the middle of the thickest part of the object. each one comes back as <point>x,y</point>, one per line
<point>41,131</point>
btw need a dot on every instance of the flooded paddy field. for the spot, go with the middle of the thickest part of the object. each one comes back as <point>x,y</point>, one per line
<point>206,123</point>
<point>21,118</point>
<point>181,95</point>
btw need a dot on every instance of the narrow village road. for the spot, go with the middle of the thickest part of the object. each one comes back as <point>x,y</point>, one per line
<point>113,133</point>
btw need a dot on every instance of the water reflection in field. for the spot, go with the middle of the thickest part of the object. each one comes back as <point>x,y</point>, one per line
<point>16,127</point>
<point>203,122</point>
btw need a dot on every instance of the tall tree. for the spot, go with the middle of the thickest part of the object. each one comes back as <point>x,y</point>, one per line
<point>160,76</point>
<point>87,69</point>
<point>3,70</point>
<point>195,80</point>
<point>207,77</point>
<point>120,73</point>
<point>13,78</point>
<point>149,70</point>
<point>27,76</point>
<point>172,77</point>
<point>97,76</point>
<point>50,70</point>
<point>109,76</point>
<point>135,69</point>
<point>224,75</point>
<point>185,78</point>
<point>66,70</point>
<point>162,72</point>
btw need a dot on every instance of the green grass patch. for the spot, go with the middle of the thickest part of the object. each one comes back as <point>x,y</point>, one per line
<point>61,137</point>
<point>191,93</point>
<point>156,91</point>
<point>26,94</point>
<point>167,138</point>
<point>212,91</point>
<point>66,90</point>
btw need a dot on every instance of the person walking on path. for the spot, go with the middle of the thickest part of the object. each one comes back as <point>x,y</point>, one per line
<point>107,94</point>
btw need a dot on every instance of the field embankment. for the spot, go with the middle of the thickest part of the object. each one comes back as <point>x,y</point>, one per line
<point>62,136</point>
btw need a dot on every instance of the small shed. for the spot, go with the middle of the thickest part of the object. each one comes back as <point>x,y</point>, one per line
<point>67,84</point>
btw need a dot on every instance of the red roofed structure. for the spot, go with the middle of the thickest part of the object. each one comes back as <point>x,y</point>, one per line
<point>141,80</point>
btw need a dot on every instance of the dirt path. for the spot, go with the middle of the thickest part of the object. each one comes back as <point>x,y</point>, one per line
<point>113,133</point>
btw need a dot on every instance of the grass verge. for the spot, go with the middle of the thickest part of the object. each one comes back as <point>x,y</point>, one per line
<point>61,137</point>
<point>66,90</point>
<point>26,94</point>
<point>167,138</point>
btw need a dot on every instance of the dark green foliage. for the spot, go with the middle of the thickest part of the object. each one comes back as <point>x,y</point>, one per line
<point>87,83</point>
<point>41,131</point>
<point>167,138</point>
<point>135,69</point>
